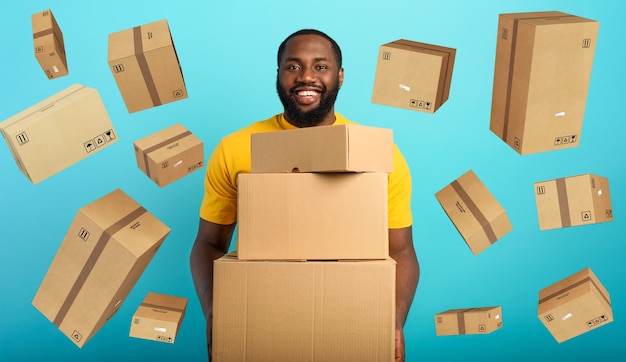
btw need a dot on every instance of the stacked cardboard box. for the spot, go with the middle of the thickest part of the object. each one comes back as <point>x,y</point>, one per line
<point>541,78</point>
<point>105,251</point>
<point>313,279</point>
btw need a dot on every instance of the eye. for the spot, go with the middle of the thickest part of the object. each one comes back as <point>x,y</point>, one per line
<point>322,67</point>
<point>292,67</point>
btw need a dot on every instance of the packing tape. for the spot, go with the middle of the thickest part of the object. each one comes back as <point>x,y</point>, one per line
<point>91,262</point>
<point>561,191</point>
<point>478,215</point>
<point>460,317</point>
<point>39,34</point>
<point>574,285</point>
<point>143,66</point>
<point>162,307</point>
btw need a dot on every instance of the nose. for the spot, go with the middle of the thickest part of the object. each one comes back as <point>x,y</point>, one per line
<point>307,75</point>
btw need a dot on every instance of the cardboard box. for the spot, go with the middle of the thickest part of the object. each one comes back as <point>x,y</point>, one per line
<point>474,211</point>
<point>312,216</point>
<point>48,44</point>
<point>105,251</point>
<point>58,132</point>
<point>340,148</point>
<point>574,305</point>
<point>468,321</point>
<point>413,75</point>
<point>541,79</point>
<point>169,154</point>
<point>159,317</point>
<point>303,311</point>
<point>145,66</point>
<point>573,201</point>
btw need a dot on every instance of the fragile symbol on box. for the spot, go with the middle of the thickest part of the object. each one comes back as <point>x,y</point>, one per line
<point>83,234</point>
<point>22,138</point>
<point>597,320</point>
<point>109,135</point>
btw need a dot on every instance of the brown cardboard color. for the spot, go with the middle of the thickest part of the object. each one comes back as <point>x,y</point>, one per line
<point>482,320</point>
<point>303,311</point>
<point>58,132</point>
<point>474,211</point>
<point>169,154</point>
<point>105,251</point>
<point>145,66</point>
<point>573,201</point>
<point>574,305</point>
<point>541,78</point>
<point>312,216</point>
<point>340,148</point>
<point>413,75</point>
<point>49,45</point>
<point>158,318</point>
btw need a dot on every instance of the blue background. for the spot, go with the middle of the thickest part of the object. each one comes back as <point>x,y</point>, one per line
<point>227,51</point>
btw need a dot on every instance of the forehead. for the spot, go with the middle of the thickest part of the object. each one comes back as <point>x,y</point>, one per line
<point>308,46</point>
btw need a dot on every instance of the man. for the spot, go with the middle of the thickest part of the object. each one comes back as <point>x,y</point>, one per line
<point>309,77</point>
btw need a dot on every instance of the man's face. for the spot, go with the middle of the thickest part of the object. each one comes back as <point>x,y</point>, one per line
<point>308,81</point>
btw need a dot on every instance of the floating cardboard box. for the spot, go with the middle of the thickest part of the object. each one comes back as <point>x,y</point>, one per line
<point>105,251</point>
<point>159,317</point>
<point>58,132</point>
<point>303,311</point>
<point>340,148</point>
<point>49,45</point>
<point>574,305</point>
<point>468,321</point>
<point>312,216</point>
<point>413,75</point>
<point>474,211</point>
<point>169,155</point>
<point>573,201</point>
<point>541,79</point>
<point>145,66</point>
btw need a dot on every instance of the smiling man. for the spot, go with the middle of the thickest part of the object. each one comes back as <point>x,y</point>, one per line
<point>309,77</point>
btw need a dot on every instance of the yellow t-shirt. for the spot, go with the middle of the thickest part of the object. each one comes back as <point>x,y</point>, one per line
<point>232,157</point>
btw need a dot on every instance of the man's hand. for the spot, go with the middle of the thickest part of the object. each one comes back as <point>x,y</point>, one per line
<point>399,345</point>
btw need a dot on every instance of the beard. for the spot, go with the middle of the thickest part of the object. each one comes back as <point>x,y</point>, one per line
<point>311,118</point>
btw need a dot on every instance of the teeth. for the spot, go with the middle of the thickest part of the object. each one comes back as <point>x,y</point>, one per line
<point>307,93</point>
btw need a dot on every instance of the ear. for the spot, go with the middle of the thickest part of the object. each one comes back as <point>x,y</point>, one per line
<point>340,76</point>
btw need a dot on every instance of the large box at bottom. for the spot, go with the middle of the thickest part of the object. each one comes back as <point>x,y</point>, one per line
<point>303,311</point>
<point>413,75</point>
<point>573,201</point>
<point>468,321</point>
<point>145,66</point>
<point>313,216</point>
<point>105,251</point>
<point>158,318</point>
<point>169,154</point>
<point>574,305</point>
<point>541,79</point>
<point>474,211</point>
<point>58,132</point>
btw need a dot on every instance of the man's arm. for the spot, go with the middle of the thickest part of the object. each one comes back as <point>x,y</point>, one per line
<point>212,242</point>
<point>407,275</point>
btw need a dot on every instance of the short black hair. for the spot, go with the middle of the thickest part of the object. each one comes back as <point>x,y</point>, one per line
<point>333,43</point>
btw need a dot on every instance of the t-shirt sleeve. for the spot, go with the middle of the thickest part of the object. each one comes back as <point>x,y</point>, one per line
<point>219,204</point>
<point>400,187</point>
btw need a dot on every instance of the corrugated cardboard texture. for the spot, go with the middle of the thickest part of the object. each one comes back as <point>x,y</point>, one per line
<point>49,44</point>
<point>58,132</point>
<point>413,75</point>
<point>340,148</point>
<point>105,251</point>
<point>303,311</point>
<point>541,79</point>
<point>574,305</point>
<point>474,211</point>
<point>169,155</point>
<point>468,321</point>
<point>145,66</point>
<point>158,318</point>
<point>313,216</point>
<point>573,201</point>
